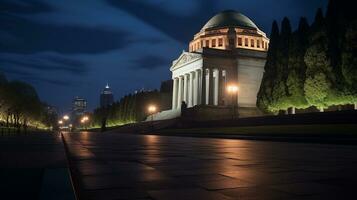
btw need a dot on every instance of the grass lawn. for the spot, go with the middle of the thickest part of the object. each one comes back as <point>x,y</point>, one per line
<point>308,130</point>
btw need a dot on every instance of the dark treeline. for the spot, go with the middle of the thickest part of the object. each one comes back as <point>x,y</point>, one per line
<point>314,66</point>
<point>20,107</point>
<point>128,109</point>
<point>133,107</point>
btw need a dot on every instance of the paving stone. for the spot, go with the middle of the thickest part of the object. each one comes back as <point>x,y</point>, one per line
<point>180,194</point>
<point>255,193</point>
<point>166,167</point>
<point>224,184</point>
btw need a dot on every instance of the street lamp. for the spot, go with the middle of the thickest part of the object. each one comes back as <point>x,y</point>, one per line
<point>66,117</point>
<point>152,109</point>
<point>233,89</point>
<point>60,122</point>
<point>84,121</point>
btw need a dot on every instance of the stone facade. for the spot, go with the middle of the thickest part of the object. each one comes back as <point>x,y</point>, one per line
<point>201,78</point>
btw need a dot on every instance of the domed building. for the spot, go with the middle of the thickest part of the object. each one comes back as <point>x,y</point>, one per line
<point>228,52</point>
<point>229,30</point>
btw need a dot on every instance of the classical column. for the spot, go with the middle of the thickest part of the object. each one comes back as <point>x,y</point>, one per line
<point>196,88</point>
<point>190,91</point>
<point>185,86</point>
<point>220,87</point>
<point>200,81</point>
<point>174,94</point>
<point>203,86</point>
<point>210,87</point>
<point>179,95</point>
<point>216,87</point>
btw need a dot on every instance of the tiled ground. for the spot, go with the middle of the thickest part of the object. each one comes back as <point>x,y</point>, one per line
<point>124,166</point>
<point>34,166</point>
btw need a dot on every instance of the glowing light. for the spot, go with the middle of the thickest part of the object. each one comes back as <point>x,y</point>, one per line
<point>60,122</point>
<point>232,88</point>
<point>66,117</point>
<point>152,109</point>
<point>84,119</point>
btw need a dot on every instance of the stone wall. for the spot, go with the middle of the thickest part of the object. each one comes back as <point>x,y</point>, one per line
<point>206,112</point>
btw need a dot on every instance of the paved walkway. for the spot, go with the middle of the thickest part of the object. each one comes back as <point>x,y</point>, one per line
<point>34,166</point>
<point>125,166</point>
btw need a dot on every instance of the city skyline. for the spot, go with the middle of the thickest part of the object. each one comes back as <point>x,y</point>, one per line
<point>58,59</point>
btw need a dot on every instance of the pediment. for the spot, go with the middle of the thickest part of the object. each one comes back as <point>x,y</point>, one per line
<point>185,58</point>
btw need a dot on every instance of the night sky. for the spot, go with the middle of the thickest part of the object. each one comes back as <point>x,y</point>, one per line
<point>68,48</point>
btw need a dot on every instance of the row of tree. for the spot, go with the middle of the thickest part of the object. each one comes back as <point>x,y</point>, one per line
<point>313,66</point>
<point>20,106</point>
<point>130,108</point>
<point>133,107</point>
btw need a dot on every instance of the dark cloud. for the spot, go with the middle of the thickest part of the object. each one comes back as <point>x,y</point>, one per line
<point>178,27</point>
<point>183,27</point>
<point>55,82</point>
<point>14,71</point>
<point>36,37</point>
<point>150,62</point>
<point>44,63</point>
<point>24,7</point>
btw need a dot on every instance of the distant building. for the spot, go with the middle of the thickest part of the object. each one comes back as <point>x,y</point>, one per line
<point>79,106</point>
<point>106,97</point>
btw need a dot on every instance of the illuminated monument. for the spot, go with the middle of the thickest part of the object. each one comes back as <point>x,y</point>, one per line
<point>229,49</point>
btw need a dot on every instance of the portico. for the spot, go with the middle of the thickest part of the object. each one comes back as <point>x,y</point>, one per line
<point>187,87</point>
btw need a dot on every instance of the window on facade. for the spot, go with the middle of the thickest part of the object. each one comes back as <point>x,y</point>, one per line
<point>246,42</point>
<point>201,43</point>
<point>263,44</point>
<point>239,41</point>
<point>258,43</point>
<point>207,43</point>
<point>214,43</point>
<point>252,43</point>
<point>220,42</point>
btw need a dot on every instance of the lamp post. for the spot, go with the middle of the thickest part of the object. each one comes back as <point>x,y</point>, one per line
<point>233,89</point>
<point>152,110</point>
<point>60,123</point>
<point>66,117</point>
<point>65,120</point>
<point>84,121</point>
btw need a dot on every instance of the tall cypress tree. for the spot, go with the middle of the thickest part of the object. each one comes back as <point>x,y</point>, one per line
<point>349,63</point>
<point>280,90</point>
<point>319,72</point>
<point>297,67</point>
<point>265,92</point>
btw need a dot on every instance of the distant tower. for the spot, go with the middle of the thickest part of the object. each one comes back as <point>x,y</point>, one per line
<point>79,106</point>
<point>106,97</point>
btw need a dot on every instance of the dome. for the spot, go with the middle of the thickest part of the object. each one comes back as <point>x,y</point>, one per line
<point>229,18</point>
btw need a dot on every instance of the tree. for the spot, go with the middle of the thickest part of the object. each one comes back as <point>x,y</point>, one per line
<point>297,66</point>
<point>319,67</point>
<point>317,90</point>
<point>25,103</point>
<point>265,92</point>
<point>349,63</point>
<point>280,90</point>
